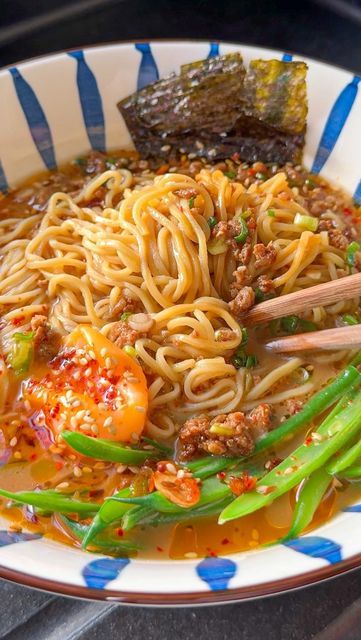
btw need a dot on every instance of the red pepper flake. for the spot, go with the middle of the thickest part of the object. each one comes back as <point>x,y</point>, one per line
<point>221,475</point>
<point>308,441</point>
<point>242,484</point>
<point>251,172</point>
<point>213,554</point>
<point>162,169</point>
<point>160,549</point>
<point>347,211</point>
<point>33,456</point>
<point>59,465</point>
<point>120,532</point>
<point>18,320</point>
<point>225,541</point>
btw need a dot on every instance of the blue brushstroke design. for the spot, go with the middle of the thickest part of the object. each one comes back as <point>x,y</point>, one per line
<point>287,57</point>
<point>98,573</point>
<point>214,50</point>
<point>357,194</point>
<point>12,537</point>
<point>148,70</point>
<point>216,572</point>
<point>3,181</point>
<point>91,102</point>
<point>355,508</point>
<point>335,123</point>
<point>317,547</point>
<point>35,118</point>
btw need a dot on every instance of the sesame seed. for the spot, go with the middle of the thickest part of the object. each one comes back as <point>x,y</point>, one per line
<point>103,352</point>
<point>108,421</point>
<point>113,430</point>
<point>80,413</point>
<point>83,361</point>
<point>134,436</point>
<point>77,472</point>
<point>69,394</point>
<point>94,429</point>
<point>255,534</point>
<point>121,468</point>
<point>17,455</point>
<point>171,468</point>
<point>89,419</point>
<point>88,371</point>
<point>72,456</point>
<point>102,406</point>
<point>61,486</point>
<point>288,471</point>
<point>180,473</point>
<point>108,363</point>
<point>87,470</point>
<point>13,442</point>
<point>80,352</point>
<point>54,449</point>
<point>134,469</point>
<point>73,422</point>
<point>27,405</point>
<point>76,375</point>
<point>84,427</point>
<point>76,403</point>
<point>190,554</point>
<point>99,465</point>
<point>132,379</point>
<point>92,355</point>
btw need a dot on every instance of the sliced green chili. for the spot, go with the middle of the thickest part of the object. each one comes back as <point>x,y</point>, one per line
<point>351,251</point>
<point>212,221</point>
<point>241,237</point>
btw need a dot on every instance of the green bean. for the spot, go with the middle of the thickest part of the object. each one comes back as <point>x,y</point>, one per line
<point>108,544</point>
<point>105,449</point>
<point>109,512</point>
<point>154,518</point>
<point>345,460</point>
<point>316,405</point>
<point>334,434</point>
<point>352,472</point>
<point>157,445</point>
<point>51,501</point>
<point>311,494</point>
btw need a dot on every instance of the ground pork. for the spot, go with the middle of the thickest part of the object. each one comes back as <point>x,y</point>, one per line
<point>47,342</point>
<point>121,334</point>
<point>265,255</point>
<point>241,279</point>
<point>265,285</point>
<point>195,436</point>
<point>243,301</point>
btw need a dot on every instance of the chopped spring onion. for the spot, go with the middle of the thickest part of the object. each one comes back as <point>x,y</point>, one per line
<point>293,324</point>
<point>230,174</point>
<point>212,221</point>
<point>252,361</point>
<point>244,338</point>
<point>352,249</point>
<point>260,176</point>
<point>124,317</point>
<point>307,222</point>
<point>271,213</point>
<point>130,351</point>
<point>216,246</point>
<point>241,359</point>
<point>243,233</point>
<point>110,163</point>
<point>349,319</point>
<point>221,429</point>
<point>261,296</point>
<point>310,184</point>
<point>191,201</point>
<point>21,352</point>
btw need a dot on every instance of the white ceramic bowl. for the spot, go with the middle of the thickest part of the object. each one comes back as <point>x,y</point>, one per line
<point>56,107</point>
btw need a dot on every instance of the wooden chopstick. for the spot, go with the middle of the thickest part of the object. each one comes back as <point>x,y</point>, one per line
<point>293,303</point>
<point>329,339</point>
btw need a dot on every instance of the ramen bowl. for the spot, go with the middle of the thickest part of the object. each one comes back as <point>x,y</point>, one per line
<point>57,107</point>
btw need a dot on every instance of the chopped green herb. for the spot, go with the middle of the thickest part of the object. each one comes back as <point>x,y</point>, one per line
<point>310,184</point>
<point>230,174</point>
<point>290,324</point>
<point>130,350</point>
<point>307,222</point>
<point>124,317</point>
<point>241,237</point>
<point>21,352</point>
<point>212,221</point>
<point>252,361</point>
<point>352,249</point>
<point>110,162</point>
<point>271,213</point>
<point>244,339</point>
<point>261,296</point>
<point>260,176</point>
<point>191,201</point>
<point>349,319</point>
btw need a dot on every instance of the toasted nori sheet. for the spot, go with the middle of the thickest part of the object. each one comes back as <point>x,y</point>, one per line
<point>214,109</point>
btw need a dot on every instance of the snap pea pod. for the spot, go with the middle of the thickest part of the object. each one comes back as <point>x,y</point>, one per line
<point>109,512</point>
<point>106,450</point>
<point>305,459</point>
<point>108,544</point>
<point>51,501</point>
<point>310,496</point>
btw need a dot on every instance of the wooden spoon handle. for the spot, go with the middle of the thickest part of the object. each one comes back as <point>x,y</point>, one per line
<point>329,339</point>
<point>294,303</point>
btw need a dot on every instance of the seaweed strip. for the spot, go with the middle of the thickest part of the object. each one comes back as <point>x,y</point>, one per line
<point>214,109</point>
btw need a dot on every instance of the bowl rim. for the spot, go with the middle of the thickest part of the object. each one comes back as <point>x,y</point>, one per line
<point>206,597</point>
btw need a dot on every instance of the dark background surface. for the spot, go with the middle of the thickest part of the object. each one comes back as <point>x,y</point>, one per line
<point>329,611</point>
